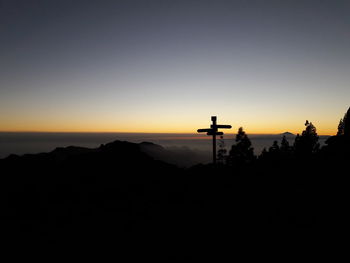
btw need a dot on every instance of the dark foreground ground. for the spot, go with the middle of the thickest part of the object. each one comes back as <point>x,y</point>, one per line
<point>117,194</point>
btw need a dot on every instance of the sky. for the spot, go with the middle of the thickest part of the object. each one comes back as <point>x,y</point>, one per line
<point>167,66</point>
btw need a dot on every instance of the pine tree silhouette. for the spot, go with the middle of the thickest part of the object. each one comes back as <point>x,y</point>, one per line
<point>346,121</point>
<point>340,128</point>
<point>285,148</point>
<point>307,143</point>
<point>242,152</point>
<point>274,148</point>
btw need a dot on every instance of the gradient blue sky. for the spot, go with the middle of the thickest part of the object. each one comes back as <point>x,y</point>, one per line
<point>167,66</point>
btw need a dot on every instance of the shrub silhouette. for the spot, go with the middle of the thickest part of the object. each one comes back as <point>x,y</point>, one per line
<point>222,151</point>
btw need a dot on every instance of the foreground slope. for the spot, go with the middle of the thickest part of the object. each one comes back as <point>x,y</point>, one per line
<point>118,192</point>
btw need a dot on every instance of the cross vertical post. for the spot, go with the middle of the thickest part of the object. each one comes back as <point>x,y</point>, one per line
<point>213,119</point>
<point>213,130</point>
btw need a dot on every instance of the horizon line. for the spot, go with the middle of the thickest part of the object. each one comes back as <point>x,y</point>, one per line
<point>124,132</point>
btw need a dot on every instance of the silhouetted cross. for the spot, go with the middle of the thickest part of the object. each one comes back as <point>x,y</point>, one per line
<point>213,130</point>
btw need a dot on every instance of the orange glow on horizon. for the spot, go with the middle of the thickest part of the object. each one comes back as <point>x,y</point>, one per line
<point>164,124</point>
<point>166,131</point>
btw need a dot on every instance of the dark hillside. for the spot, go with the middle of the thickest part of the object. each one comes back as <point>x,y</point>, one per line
<point>119,193</point>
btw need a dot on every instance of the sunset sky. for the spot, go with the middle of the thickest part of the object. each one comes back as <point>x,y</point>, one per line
<point>167,66</point>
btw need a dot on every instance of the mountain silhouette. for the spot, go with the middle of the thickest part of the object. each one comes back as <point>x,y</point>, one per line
<point>287,134</point>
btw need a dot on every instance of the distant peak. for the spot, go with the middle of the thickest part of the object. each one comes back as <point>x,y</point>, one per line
<point>287,133</point>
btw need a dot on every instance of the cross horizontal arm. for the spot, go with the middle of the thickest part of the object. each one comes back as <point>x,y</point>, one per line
<point>222,126</point>
<point>204,130</point>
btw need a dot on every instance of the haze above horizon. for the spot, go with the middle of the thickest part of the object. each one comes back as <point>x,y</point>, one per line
<point>167,66</point>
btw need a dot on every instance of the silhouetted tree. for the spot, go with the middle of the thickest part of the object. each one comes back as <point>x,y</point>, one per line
<point>274,148</point>
<point>263,155</point>
<point>242,152</point>
<point>285,150</point>
<point>340,128</point>
<point>307,143</point>
<point>285,145</point>
<point>272,154</point>
<point>276,152</point>
<point>346,123</point>
<point>338,147</point>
